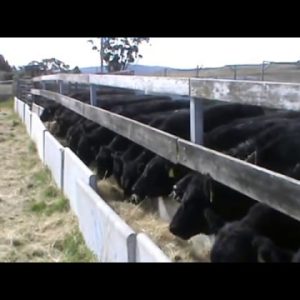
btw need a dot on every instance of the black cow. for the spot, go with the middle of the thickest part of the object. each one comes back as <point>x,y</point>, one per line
<point>104,136</point>
<point>119,144</point>
<point>104,158</point>
<point>180,186</point>
<point>78,130</point>
<point>213,117</point>
<point>132,169</point>
<point>277,148</point>
<point>241,244</point>
<point>230,135</point>
<point>296,257</point>
<point>89,144</point>
<point>64,120</point>
<point>201,194</point>
<point>174,124</point>
<point>222,114</point>
<point>236,241</point>
<point>49,111</point>
<point>157,179</point>
<point>133,151</point>
<point>120,157</point>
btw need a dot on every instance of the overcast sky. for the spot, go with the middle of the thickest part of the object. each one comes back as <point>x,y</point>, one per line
<point>170,52</point>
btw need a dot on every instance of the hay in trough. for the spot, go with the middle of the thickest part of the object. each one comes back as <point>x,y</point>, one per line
<point>144,218</point>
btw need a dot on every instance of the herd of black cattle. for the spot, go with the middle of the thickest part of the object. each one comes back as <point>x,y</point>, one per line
<point>245,230</point>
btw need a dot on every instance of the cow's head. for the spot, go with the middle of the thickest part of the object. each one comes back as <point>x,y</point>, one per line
<point>104,162</point>
<point>190,219</point>
<point>156,180</point>
<point>132,170</point>
<point>234,243</point>
<point>180,187</point>
<point>85,151</point>
<point>48,113</point>
<point>117,165</point>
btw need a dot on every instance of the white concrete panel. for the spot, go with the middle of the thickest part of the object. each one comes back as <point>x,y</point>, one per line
<point>41,109</point>
<point>147,251</point>
<point>74,169</point>
<point>21,109</point>
<point>28,119</point>
<point>37,134</point>
<point>105,233</point>
<point>15,104</point>
<point>54,157</point>
<point>37,109</point>
<point>167,208</point>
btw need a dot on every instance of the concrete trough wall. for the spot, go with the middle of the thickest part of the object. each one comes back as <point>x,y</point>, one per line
<point>75,169</point>
<point>37,134</point>
<point>53,158</point>
<point>27,119</point>
<point>147,251</point>
<point>105,233</point>
<point>109,237</point>
<point>167,208</point>
<point>37,109</point>
<point>20,109</point>
<point>15,104</point>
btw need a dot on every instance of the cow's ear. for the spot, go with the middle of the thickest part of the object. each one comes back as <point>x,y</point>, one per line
<point>116,154</point>
<point>82,128</point>
<point>171,173</point>
<point>140,167</point>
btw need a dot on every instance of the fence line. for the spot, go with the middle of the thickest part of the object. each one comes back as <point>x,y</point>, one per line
<point>6,81</point>
<point>261,72</point>
<point>220,167</point>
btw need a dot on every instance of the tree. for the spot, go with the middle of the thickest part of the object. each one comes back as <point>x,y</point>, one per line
<point>4,65</point>
<point>118,53</point>
<point>47,66</point>
<point>76,70</point>
<point>50,66</point>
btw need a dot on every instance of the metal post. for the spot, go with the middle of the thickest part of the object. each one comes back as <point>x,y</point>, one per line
<point>196,119</point>
<point>263,72</point>
<point>101,53</point>
<point>131,248</point>
<point>197,74</point>
<point>18,88</point>
<point>235,71</point>
<point>61,87</point>
<point>93,95</point>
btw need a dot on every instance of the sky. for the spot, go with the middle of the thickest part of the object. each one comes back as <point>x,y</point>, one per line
<point>168,52</point>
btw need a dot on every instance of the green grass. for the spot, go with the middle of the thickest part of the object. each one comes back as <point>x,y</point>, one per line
<point>7,103</point>
<point>50,192</point>
<point>6,89</point>
<point>32,147</point>
<point>57,205</point>
<point>38,207</point>
<point>15,123</point>
<point>42,177</point>
<point>74,249</point>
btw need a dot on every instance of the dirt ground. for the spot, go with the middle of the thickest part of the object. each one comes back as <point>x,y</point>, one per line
<point>35,220</point>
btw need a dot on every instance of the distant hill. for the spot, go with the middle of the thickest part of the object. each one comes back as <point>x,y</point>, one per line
<point>138,69</point>
<point>273,71</point>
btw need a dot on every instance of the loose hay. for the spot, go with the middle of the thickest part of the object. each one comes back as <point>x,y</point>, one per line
<point>26,235</point>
